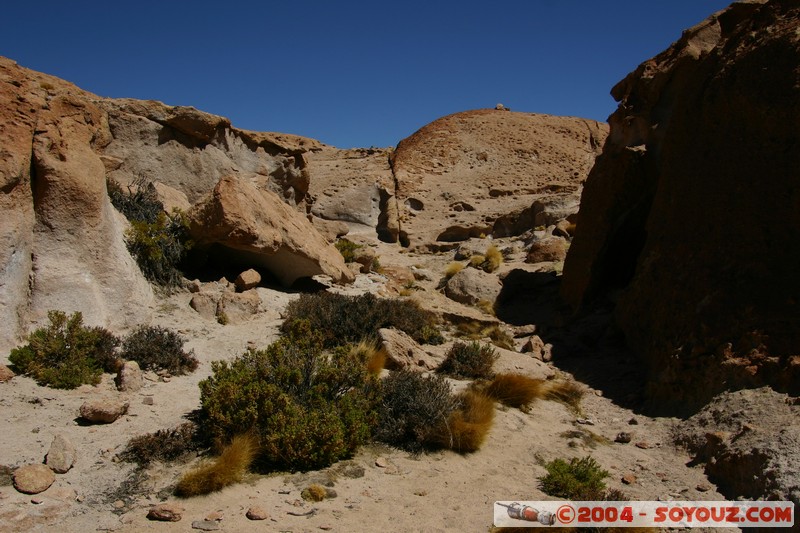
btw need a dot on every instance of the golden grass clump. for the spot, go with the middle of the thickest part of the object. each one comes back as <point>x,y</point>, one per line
<point>493,259</point>
<point>476,261</point>
<point>453,269</point>
<point>515,390</point>
<point>467,427</point>
<point>475,330</point>
<point>227,469</point>
<point>569,393</point>
<point>486,306</point>
<point>314,493</point>
<point>373,356</point>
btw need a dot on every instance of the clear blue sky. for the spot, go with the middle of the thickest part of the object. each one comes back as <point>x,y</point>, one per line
<point>349,73</point>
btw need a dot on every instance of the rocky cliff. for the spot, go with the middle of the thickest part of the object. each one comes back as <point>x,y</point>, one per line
<point>691,217</point>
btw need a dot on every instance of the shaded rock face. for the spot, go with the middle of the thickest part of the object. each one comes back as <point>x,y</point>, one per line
<point>692,212</point>
<point>259,229</point>
<point>490,172</point>
<point>61,242</point>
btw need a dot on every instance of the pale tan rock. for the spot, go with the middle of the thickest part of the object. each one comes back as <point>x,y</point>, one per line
<point>33,479</point>
<point>471,286</point>
<point>403,352</point>
<point>547,249</point>
<point>330,229</point>
<point>166,512</point>
<point>103,411</point>
<point>172,198</point>
<point>129,378</point>
<point>5,374</point>
<point>62,455</point>
<point>249,279</point>
<point>239,307</point>
<point>256,227</point>
<point>205,304</point>
<point>257,513</point>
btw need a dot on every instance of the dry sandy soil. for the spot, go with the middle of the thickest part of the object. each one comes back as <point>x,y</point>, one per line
<point>380,488</point>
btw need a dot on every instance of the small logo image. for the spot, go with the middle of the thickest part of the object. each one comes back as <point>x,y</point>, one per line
<point>517,511</point>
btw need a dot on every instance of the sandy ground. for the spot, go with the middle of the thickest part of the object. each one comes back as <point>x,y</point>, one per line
<point>380,489</point>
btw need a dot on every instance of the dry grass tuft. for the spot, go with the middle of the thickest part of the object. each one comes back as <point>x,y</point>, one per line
<point>453,269</point>
<point>314,493</point>
<point>227,469</point>
<point>515,390</point>
<point>474,330</point>
<point>569,393</point>
<point>486,306</point>
<point>493,259</point>
<point>476,261</point>
<point>373,356</point>
<point>467,426</point>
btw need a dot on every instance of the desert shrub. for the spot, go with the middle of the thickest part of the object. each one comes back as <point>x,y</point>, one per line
<point>306,407</point>
<point>347,249</point>
<point>494,258</point>
<point>473,360</point>
<point>474,330</point>
<point>163,445</point>
<point>486,306</point>
<point>159,247</point>
<point>468,425</point>
<point>227,469</point>
<point>453,269</point>
<point>515,390</point>
<point>350,319</point>
<point>157,348</point>
<point>140,203</point>
<point>373,357</point>
<point>314,493</point>
<point>569,393</point>
<point>578,479</point>
<point>413,408</point>
<point>66,354</point>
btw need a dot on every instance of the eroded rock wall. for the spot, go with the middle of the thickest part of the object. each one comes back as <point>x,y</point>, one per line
<point>691,215</point>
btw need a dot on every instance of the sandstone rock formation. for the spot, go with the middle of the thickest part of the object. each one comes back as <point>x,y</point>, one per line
<point>692,213</point>
<point>254,227</point>
<point>103,411</point>
<point>476,169</point>
<point>62,455</point>
<point>61,242</point>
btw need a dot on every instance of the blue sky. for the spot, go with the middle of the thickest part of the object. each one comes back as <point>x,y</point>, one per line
<point>349,73</point>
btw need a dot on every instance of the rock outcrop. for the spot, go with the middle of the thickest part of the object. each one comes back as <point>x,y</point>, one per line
<point>691,216</point>
<point>254,227</point>
<point>480,172</point>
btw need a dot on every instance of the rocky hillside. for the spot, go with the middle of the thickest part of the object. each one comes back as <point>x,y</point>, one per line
<point>690,217</point>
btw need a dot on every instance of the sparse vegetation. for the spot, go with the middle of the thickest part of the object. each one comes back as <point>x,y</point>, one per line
<point>227,469</point>
<point>453,269</point>
<point>578,479</point>
<point>163,445</point>
<point>350,319</point>
<point>468,425</point>
<point>373,357</point>
<point>515,390</point>
<point>413,408</point>
<point>475,330</point>
<point>314,493</point>
<point>66,354</point>
<point>347,249</point>
<point>477,260</point>
<point>157,348</point>
<point>473,360</point>
<point>306,407</point>
<point>489,262</point>
<point>139,203</point>
<point>567,392</point>
<point>486,306</point>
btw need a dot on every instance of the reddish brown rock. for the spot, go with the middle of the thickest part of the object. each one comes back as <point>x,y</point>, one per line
<point>33,479</point>
<point>257,513</point>
<point>249,279</point>
<point>547,249</point>
<point>166,512</point>
<point>693,209</point>
<point>6,374</point>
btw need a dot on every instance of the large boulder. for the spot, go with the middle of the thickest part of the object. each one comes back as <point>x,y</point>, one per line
<point>252,226</point>
<point>693,209</point>
<point>470,286</point>
<point>61,242</point>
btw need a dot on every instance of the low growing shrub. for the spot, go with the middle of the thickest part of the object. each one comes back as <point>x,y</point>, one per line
<point>347,249</point>
<point>413,408</point>
<point>350,319</point>
<point>139,203</point>
<point>578,479</point>
<point>163,445</point>
<point>314,493</point>
<point>157,348</point>
<point>373,357</point>
<point>159,247</point>
<point>66,354</point>
<point>473,360</point>
<point>475,330</point>
<point>468,425</point>
<point>306,407</point>
<point>227,469</point>
<point>569,393</point>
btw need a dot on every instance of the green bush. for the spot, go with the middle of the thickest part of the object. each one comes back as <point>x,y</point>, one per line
<point>157,348</point>
<point>139,203</point>
<point>473,360</point>
<point>413,409</point>
<point>159,247</point>
<point>347,249</point>
<point>307,408</point>
<point>67,354</point>
<point>579,480</point>
<point>344,319</point>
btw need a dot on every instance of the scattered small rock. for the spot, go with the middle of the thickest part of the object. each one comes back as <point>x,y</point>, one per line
<point>206,525</point>
<point>119,504</point>
<point>249,279</point>
<point>643,445</point>
<point>62,455</point>
<point>103,411</point>
<point>5,374</point>
<point>585,421</point>
<point>326,527</point>
<point>257,513</point>
<point>147,400</point>
<point>703,487</point>
<point>633,422</point>
<point>166,512</point>
<point>629,479</point>
<point>381,462</point>
<point>37,501</point>
<point>623,437</point>
<point>420,493</point>
<point>215,515</point>
<point>33,479</point>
